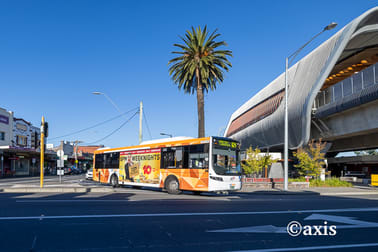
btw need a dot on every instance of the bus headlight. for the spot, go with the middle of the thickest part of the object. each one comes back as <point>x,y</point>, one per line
<point>216,178</point>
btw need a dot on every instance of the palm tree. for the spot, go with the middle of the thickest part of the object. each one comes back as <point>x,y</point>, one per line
<point>200,66</point>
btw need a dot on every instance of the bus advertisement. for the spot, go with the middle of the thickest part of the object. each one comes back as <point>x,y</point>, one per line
<point>210,164</point>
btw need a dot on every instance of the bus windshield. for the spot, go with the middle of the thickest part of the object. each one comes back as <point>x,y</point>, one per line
<point>226,161</point>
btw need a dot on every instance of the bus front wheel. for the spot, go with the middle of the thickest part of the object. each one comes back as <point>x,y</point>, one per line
<point>172,185</point>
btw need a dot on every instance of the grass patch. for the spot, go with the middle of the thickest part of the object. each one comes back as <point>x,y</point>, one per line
<point>329,182</point>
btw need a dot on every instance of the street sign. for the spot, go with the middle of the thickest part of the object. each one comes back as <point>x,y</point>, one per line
<point>60,172</point>
<point>60,153</point>
<point>60,163</point>
<point>65,157</point>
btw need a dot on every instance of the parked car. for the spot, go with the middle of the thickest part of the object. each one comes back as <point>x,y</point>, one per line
<point>76,170</point>
<point>89,174</point>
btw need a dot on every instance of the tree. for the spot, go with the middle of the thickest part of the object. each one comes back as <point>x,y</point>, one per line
<point>311,159</point>
<point>255,161</point>
<point>199,67</point>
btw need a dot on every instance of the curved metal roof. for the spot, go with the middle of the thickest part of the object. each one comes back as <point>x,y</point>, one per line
<point>305,79</point>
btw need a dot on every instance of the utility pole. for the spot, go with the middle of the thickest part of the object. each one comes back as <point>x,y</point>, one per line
<point>2,164</point>
<point>140,121</point>
<point>42,148</point>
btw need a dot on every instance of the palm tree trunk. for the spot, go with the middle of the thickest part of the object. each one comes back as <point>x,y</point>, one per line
<point>200,107</point>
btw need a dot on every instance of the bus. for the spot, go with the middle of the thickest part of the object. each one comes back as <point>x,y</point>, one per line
<point>210,164</point>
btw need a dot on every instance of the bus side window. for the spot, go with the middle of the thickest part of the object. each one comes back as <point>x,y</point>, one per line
<point>99,161</point>
<point>199,156</point>
<point>172,157</point>
<point>179,157</point>
<point>168,158</point>
<point>112,160</point>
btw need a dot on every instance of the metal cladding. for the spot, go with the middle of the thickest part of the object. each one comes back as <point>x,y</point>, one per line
<point>306,78</point>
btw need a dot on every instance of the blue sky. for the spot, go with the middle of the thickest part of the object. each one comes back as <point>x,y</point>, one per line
<point>53,54</point>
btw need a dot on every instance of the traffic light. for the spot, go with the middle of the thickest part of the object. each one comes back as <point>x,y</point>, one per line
<point>46,129</point>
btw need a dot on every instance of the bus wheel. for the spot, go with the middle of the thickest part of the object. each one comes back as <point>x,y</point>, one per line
<point>114,180</point>
<point>172,186</point>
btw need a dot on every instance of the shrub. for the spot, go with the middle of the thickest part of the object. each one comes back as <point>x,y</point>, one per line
<point>310,159</point>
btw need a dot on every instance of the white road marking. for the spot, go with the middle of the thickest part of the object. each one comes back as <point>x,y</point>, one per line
<point>80,200</point>
<point>280,230</point>
<point>373,209</point>
<point>361,245</point>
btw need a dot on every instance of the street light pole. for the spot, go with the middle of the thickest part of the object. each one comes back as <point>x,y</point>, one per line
<point>140,113</point>
<point>164,134</point>
<point>286,118</point>
<point>108,98</point>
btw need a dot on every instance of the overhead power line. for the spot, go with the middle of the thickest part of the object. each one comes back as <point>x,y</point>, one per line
<point>96,125</point>
<point>114,131</point>
<point>148,128</point>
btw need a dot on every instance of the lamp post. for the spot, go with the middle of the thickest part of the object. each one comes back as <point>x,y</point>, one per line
<point>164,134</point>
<point>286,135</point>
<point>108,98</point>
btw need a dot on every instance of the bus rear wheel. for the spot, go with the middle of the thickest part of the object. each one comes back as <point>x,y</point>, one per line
<point>172,186</point>
<point>114,180</point>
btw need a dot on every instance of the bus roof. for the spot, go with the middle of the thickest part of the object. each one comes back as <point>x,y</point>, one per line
<point>160,143</point>
<point>162,140</point>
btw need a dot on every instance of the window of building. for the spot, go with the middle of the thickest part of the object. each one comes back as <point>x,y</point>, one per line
<point>2,136</point>
<point>256,113</point>
<point>357,82</point>
<point>21,140</point>
<point>347,87</point>
<point>337,91</point>
<point>368,76</point>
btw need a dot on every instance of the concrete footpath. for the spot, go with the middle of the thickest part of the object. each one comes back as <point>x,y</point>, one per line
<point>79,184</point>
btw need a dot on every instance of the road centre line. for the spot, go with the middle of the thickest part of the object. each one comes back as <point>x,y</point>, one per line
<point>375,209</point>
<point>314,248</point>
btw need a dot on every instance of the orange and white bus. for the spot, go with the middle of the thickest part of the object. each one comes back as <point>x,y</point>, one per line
<point>210,164</point>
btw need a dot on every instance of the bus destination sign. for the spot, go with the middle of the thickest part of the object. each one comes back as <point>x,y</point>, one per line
<point>225,143</point>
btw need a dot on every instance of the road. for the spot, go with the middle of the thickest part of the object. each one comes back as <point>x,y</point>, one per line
<point>140,220</point>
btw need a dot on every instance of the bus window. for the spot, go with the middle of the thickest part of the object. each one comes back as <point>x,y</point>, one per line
<point>199,156</point>
<point>172,157</point>
<point>99,161</point>
<point>112,160</point>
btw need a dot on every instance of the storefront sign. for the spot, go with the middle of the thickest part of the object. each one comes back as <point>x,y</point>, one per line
<point>4,119</point>
<point>21,127</point>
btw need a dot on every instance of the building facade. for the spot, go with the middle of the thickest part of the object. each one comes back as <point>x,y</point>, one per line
<point>19,147</point>
<point>332,94</point>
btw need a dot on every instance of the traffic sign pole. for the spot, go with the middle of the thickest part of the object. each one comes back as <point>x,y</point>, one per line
<point>42,148</point>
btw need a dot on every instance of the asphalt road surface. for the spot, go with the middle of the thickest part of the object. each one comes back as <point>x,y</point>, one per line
<point>141,220</point>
